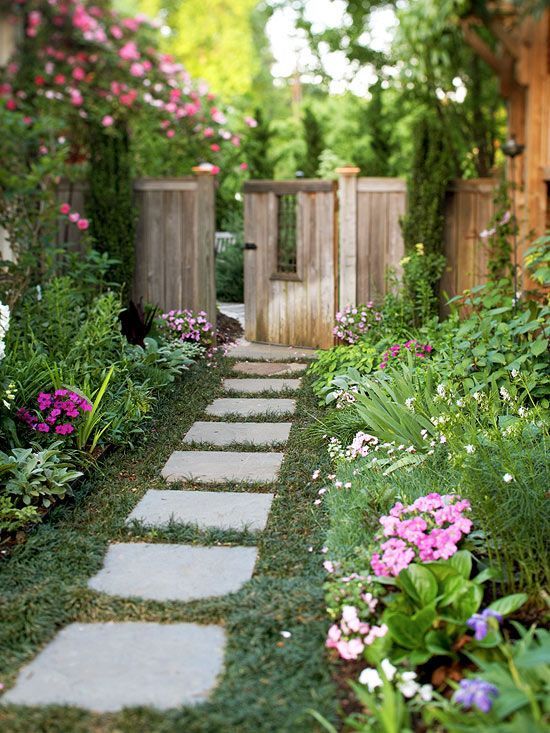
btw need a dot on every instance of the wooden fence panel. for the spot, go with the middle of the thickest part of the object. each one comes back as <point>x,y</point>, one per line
<point>468,211</point>
<point>175,243</point>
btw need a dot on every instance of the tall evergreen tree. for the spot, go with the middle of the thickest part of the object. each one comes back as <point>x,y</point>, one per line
<point>256,148</point>
<point>110,204</point>
<point>314,139</point>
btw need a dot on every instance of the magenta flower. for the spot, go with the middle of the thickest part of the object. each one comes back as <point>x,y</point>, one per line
<point>42,427</point>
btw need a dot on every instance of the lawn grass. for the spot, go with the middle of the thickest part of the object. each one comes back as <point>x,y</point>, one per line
<point>269,681</point>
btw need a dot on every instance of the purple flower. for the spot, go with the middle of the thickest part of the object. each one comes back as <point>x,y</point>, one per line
<point>480,622</point>
<point>476,693</point>
<point>42,427</point>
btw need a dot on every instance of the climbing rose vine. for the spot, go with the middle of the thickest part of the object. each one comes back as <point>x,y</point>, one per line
<point>81,62</point>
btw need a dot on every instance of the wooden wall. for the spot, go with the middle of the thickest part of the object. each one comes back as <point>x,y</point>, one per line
<point>371,241</point>
<point>175,243</point>
<point>469,209</point>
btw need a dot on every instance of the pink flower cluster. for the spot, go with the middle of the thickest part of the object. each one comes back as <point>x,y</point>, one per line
<point>397,350</point>
<point>187,325</point>
<point>352,634</point>
<point>354,322</point>
<point>429,529</point>
<point>99,65</point>
<point>55,412</point>
<point>74,217</point>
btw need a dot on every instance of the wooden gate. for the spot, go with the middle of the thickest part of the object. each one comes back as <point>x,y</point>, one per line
<point>290,261</point>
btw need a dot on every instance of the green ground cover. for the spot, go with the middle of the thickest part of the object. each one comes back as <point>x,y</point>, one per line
<point>269,681</point>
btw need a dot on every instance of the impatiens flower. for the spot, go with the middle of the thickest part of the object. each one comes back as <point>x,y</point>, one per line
<point>388,669</point>
<point>477,693</point>
<point>370,678</point>
<point>479,622</point>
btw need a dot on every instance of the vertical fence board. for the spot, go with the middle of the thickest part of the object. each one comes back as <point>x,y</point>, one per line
<point>175,243</point>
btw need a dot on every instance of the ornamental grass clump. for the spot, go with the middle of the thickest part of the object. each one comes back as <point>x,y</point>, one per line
<point>353,322</point>
<point>427,530</point>
<point>56,412</point>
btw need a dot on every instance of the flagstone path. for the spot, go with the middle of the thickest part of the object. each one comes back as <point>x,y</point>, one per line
<point>105,667</point>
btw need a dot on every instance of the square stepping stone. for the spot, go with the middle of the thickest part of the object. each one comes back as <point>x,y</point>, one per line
<point>268,368</point>
<point>106,667</point>
<point>207,467</point>
<point>218,509</point>
<point>227,433</point>
<point>243,349</point>
<point>166,572</point>
<point>255,386</point>
<point>251,406</point>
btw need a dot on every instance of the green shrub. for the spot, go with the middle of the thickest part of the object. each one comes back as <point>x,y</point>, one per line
<point>230,274</point>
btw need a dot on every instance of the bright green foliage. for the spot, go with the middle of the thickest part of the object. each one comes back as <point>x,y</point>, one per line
<point>229,274</point>
<point>110,200</point>
<point>537,261</point>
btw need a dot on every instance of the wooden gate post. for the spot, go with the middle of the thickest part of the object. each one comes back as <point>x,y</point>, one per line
<point>205,281</point>
<point>347,259</point>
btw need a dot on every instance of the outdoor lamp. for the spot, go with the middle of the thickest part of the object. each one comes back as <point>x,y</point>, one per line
<point>512,148</point>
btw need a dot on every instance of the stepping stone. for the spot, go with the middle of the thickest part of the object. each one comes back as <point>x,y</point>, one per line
<point>243,349</point>
<point>227,433</point>
<point>206,467</point>
<point>255,386</point>
<point>218,509</point>
<point>250,406</point>
<point>268,368</point>
<point>106,667</point>
<point>167,572</point>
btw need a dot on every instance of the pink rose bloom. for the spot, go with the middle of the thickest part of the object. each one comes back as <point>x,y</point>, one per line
<point>107,121</point>
<point>215,147</point>
<point>215,170</point>
<point>243,166</point>
<point>208,132</point>
<point>79,73</point>
<point>251,122</point>
<point>129,52</point>
<point>74,217</point>
<point>76,98</point>
<point>136,69</point>
<point>83,224</point>
<point>170,133</point>
<point>65,209</point>
<point>116,32</point>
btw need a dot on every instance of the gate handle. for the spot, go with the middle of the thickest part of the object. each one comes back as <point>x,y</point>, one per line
<point>250,245</point>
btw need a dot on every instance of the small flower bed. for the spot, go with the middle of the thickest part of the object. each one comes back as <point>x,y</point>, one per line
<point>187,325</point>
<point>56,412</point>
<point>355,321</point>
<point>399,352</point>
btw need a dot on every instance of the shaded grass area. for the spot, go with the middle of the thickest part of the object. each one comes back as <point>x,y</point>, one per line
<point>269,681</point>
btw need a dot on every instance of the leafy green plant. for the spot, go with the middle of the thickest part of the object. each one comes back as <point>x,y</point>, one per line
<point>360,356</point>
<point>520,672</point>
<point>93,426</point>
<point>229,273</point>
<point>427,615</point>
<point>537,260</point>
<point>13,517</point>
<point>38,477</point>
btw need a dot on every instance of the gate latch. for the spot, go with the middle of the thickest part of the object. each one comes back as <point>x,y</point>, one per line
<point>250,245</point>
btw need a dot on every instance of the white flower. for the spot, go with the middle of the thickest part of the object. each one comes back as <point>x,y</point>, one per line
<point>504,394</point>
<point>409,403</point>
<point>515,373</point>
<point>460,403</point>
<point>315,475</point>
<point>408,685</point>
<point>522,412</point>
<point>442,439</point>
<point>507,477</point>
<point>370,678</point>
<point>441,390</point>
<point>426,692</point>
<point>469,448</point>
<point>286,634</point>
<point>388,669</point>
